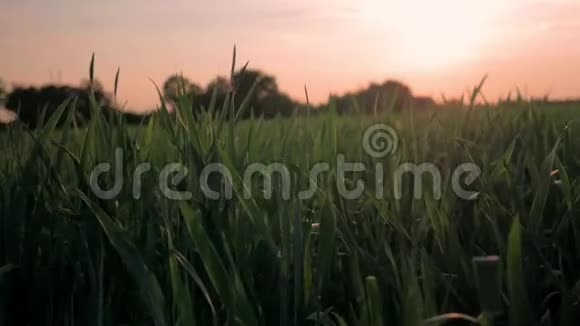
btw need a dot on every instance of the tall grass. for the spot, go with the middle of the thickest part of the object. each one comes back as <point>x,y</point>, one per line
<point>70,258</point>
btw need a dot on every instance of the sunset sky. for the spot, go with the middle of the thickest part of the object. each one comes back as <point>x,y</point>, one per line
<point>332,46</point>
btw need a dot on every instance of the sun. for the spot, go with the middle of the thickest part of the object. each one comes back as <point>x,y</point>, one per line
<point>439,39</point>
<point>427,35</point>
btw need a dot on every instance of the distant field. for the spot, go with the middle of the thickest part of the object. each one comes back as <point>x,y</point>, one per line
<point>389,256</point>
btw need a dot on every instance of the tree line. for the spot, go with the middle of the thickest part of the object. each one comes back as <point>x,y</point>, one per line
<point>259,90</point>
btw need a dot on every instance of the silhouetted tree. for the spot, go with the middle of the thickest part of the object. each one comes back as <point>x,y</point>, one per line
<point>266,100</point>
<point>177,85</point>
<point>220,84</point>
<point>34,106</point>
<point>222,88</point>
<point>380,97</point>
<point>3,91</point>
<point>423,103</point>
<point>96,84</point>
<point>278,104</point>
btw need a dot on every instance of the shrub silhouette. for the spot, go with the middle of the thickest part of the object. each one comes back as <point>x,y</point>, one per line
<point>34,106</point>
<point>380,97</point>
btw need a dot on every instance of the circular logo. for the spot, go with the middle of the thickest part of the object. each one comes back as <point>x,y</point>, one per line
<point>380,140</point>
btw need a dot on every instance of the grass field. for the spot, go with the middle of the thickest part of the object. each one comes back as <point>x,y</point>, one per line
<point>68,257</point>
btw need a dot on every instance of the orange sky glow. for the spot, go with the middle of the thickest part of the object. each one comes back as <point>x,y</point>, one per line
<point>332,46</point>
